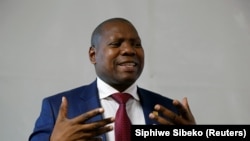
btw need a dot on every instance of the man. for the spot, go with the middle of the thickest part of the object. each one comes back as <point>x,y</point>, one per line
<point>88,112</point>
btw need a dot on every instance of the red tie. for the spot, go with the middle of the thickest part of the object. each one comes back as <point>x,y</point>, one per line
<point>122,122</point>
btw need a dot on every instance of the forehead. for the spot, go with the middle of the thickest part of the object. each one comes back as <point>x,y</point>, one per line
<point>119,29</point>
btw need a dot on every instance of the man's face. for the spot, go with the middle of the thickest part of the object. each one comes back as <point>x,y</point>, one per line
<point>119,57</point>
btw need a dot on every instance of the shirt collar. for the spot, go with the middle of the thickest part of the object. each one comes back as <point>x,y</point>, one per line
<point>106,90</point>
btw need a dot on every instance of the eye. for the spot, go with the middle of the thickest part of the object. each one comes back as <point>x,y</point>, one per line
<point>138,45</point>
<point>115,44</point>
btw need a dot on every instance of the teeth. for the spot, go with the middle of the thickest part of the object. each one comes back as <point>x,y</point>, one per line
<point>128,64</point>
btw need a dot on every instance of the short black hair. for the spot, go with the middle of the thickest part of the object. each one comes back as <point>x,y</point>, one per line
<point>99,29</point>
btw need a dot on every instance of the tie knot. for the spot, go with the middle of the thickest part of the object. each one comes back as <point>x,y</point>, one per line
<point>121,98</point>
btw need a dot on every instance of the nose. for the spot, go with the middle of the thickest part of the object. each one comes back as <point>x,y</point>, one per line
<point>128,49</point>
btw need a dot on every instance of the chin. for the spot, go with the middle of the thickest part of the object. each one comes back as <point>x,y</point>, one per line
<point>128,80</point>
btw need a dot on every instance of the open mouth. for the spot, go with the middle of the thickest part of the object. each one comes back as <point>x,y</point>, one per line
<point>129,64</point>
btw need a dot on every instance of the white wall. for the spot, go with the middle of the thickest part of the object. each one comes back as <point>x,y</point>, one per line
<point>195,48</point>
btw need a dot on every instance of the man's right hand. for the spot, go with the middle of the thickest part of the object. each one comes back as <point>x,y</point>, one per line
<point>66,129</point>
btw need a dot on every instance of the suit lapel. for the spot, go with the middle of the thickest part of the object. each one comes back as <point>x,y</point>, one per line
<point>147,105</point>
<point>148,100</point>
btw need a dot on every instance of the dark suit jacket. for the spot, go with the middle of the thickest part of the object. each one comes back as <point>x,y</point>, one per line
<point>83,99</point>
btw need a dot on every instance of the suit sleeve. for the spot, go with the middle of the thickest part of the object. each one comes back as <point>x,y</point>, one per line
<point>44,123</point>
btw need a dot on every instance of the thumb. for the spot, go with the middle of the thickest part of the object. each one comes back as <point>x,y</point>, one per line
<point>185,103</point>
<point>63,109</point>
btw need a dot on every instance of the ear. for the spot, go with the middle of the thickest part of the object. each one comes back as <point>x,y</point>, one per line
<point>92,52</point>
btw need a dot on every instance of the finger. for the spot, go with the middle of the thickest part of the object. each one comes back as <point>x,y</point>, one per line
<point>190,115</point>
<point>183,110</point>
<point>95,133</point>
<point>101,124</point>
<point>185,103</point>
<point>91,139</point>
<point>63,109</point>
<point>183,107</point>
<point>159,119</point>
<point>85,116</point>
<point>165,112</point>
<point>168,114</point>
<point>91,130</point>
<point>96,139</point>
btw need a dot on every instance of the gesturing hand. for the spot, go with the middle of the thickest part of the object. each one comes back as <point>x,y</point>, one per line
<point>76,129</point>
<point>168,117</point>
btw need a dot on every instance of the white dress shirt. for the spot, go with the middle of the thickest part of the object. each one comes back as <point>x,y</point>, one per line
<point>110,106</point>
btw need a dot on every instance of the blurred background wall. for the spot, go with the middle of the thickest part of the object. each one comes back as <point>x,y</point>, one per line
<point>195,48</point>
